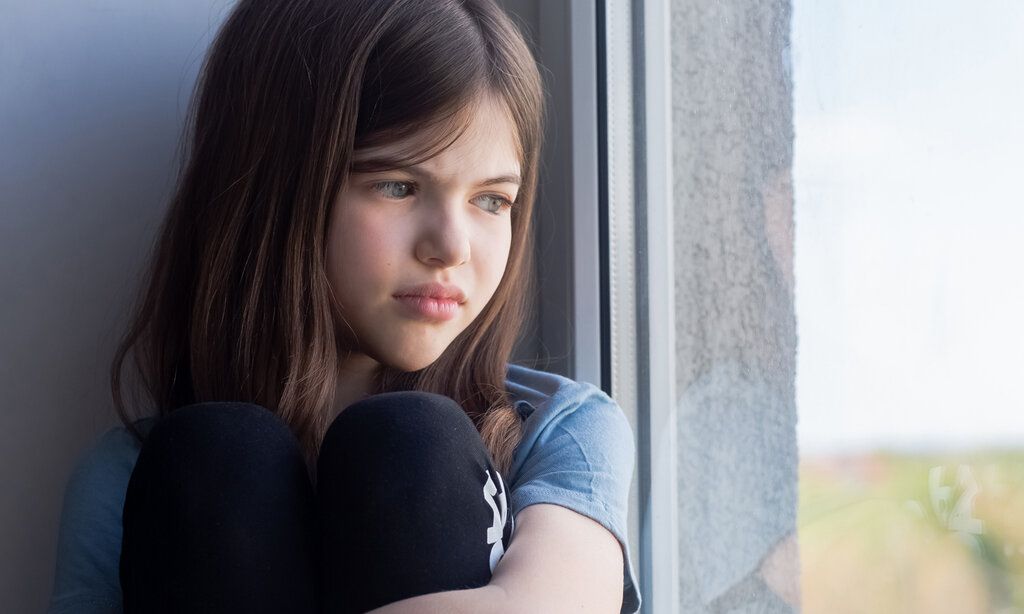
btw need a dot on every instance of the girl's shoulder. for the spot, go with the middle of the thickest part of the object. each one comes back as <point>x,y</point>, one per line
<point>112,454</point>
<point>99,477</point>
<point>558,411</point>
<point>95,489</point>
<point>89,542</point>
<point>542,397</point>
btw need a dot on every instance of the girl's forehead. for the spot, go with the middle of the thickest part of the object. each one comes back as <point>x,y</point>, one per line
<point>485,143</point>
<point>486,120</point>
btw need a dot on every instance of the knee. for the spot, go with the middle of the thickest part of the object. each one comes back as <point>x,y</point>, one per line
<point>220,434</point>
<point>397,415</point>
<point>406,427</point>
<point>225,470</point>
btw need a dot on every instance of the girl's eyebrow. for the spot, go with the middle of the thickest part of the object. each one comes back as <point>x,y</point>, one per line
<point>512,178</point>
<point>509,178</point>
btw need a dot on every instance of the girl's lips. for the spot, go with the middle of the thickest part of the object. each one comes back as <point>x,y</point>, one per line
<point>435,289</point>
<point>423,307</point>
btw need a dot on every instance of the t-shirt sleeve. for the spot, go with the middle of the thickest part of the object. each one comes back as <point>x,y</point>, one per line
<point>583,458</point>
<point>86,579</point>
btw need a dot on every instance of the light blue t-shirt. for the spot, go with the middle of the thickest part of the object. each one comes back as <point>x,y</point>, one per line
<point>577,451</point>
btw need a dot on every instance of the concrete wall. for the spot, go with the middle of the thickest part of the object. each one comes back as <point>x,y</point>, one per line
<point>736,326</point>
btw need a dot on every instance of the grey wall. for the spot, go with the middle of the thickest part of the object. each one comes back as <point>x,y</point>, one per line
<point>92,101</point>
<point>91,98</point>
<point>736,326</point>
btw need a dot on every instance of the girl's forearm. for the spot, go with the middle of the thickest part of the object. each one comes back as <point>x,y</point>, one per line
<point>489,599</point>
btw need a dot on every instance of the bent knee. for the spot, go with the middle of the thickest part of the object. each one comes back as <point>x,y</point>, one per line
<point>412,430</point>
<point>404,418</point>
<point>221,432</point>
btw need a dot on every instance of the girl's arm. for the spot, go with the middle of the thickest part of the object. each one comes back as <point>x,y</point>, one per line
<point>484,600</point>
<point>558,561</point>
<point>89,539</point>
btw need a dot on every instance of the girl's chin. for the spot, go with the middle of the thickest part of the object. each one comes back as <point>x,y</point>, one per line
<point>412,349</point>
<point>410,363</point>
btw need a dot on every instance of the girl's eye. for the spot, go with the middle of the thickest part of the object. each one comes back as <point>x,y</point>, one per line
<point>401,189</point>
<point>387,188</point>
<point>498,203</point>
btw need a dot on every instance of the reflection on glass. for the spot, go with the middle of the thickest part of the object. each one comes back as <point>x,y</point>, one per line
<point>909,303</point>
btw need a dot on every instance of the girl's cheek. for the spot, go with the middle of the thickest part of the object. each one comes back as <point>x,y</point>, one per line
<point>374,241</point>
<point>360,220</point>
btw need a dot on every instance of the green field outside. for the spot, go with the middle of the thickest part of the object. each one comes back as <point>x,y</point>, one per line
<point>906,534</point>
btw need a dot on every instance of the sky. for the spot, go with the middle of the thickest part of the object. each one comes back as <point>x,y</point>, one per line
<point>909,210</point>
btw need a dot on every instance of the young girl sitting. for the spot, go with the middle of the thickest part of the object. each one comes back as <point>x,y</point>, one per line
<point>324,337</point>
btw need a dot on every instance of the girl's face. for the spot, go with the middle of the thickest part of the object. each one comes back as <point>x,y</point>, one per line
<point>443,220</point>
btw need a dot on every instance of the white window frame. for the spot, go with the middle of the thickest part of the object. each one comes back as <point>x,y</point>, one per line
<point>630,40</point>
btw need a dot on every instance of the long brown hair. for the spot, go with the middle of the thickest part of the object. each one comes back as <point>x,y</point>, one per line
<point>236,304</point>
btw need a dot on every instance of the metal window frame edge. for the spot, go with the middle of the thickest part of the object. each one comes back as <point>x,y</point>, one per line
<point>660,521</point>
<point>587,341</point>
<point>637,187</point>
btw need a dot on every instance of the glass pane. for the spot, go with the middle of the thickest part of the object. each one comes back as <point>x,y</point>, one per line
<point>909,227</point>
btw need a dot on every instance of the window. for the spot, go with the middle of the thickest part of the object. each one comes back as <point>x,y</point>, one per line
<point>811,239</point>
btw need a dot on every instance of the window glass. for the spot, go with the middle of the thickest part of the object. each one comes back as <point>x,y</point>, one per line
<point>909,298</point>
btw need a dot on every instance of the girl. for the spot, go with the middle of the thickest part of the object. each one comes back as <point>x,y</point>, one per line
<point>325,334</point>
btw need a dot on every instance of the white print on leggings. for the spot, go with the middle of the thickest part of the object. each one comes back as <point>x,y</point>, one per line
<point>500,510</point>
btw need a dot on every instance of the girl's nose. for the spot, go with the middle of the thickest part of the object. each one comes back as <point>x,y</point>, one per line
<point>444,239</point>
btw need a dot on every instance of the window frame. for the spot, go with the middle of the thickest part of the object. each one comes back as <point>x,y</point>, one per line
<point>620,90</point>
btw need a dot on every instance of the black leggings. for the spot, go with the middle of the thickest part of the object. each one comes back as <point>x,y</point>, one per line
<point>220,514</point>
